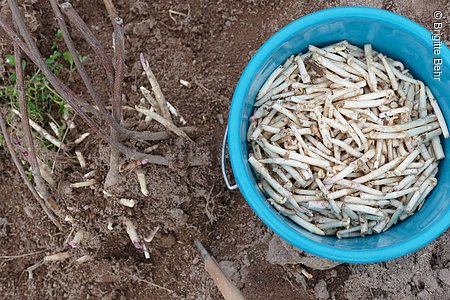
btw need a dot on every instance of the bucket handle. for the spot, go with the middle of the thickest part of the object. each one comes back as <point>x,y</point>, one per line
<point>224,163</point>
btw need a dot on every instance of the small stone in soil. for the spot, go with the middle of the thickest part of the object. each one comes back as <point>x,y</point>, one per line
<point>444,276</point>
<point>228,267</point>
<point>321,290</point>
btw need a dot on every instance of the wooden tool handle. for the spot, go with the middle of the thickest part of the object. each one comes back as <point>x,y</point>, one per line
<point>226,287</point>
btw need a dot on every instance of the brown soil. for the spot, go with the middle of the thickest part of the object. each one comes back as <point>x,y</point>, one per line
<point>209,48</point>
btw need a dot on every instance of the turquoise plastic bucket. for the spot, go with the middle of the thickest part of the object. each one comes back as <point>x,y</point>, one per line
<point>390,34</point>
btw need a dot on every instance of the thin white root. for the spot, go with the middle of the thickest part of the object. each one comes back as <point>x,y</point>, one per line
<point>438,112</point>
<point>151,148</point>
<point>106,193</point>
<point>44,133</point>
<point>151,236</point>
<point>132,233</point>
<point>437,148</point>
<point>69,219</point>
<point>148,118</point>
<point>81,138</point>
<point>54,128</point>
<point>127,202</point>
<point>306,273</point>
<point>162,104</point>
<point>57,257</point>
<point>77,239</point>
<point>163,122</point>
<point>304,76</point>
<point>90,174</point>
<point>175,113</point>
<point>83,259</point>
<point>81,159</point>
<point>146,252</point>
<point>82,184</point>
<point>46,173</point>
<point>148,96</point>
<point>306,225</point>
<point>185,83</point>
<point>142,182</point>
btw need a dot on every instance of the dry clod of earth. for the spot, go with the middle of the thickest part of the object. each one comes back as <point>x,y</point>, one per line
<point>282,253</point>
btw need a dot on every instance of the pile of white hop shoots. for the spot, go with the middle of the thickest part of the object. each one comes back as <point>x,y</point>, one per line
<point>344,141</point>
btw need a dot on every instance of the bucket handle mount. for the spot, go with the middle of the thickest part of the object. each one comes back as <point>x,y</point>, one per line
<point>224,163</point>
